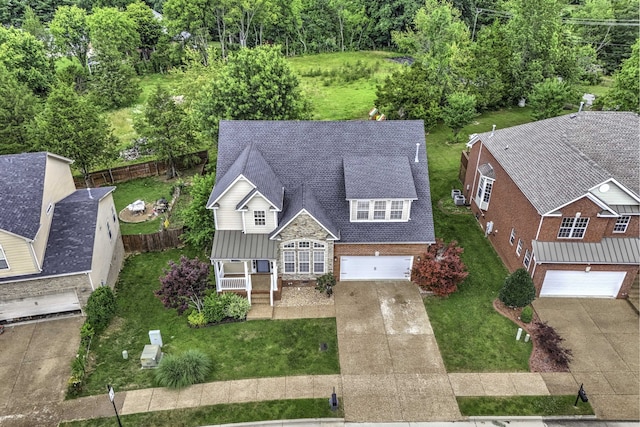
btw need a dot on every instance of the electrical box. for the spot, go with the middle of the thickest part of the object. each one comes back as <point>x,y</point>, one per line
<point>155,337</point>
<point>151,356</point>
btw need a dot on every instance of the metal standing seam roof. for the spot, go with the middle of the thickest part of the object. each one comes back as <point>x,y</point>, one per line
<point>609,250</point>
<point>312,152</point>
<point>234,244</point>
<point>557,160</point>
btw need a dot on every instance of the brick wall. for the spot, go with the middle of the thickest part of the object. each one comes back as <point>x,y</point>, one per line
<point>632,272</point>
<point>359,249</point>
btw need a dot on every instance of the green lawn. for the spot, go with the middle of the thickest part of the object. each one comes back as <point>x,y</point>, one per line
<point>222,414</point>
<point>238,350</point>
<point>471,335</point>
<point>148,189</point>
<point>522,406</point>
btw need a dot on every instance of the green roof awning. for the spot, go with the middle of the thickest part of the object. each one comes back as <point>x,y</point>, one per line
<point>234,244</point>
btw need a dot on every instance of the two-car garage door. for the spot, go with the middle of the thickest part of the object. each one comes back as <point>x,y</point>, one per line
<point>594,284</point>
<point>375,267</point>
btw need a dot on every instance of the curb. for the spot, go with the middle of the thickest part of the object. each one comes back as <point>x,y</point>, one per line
<point>298,422</point>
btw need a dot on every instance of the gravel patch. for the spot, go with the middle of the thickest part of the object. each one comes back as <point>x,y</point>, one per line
<point>302,296</point>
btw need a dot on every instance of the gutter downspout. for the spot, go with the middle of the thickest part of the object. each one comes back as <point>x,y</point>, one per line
<point>35,258</point>
<point>539,227</point>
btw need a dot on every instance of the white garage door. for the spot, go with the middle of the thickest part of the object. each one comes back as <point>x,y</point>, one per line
<point>599,284</point>
<point>375,267</point>
<point>21,308</point>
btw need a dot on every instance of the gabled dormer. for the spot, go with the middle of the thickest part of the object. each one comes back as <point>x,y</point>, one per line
<point>248,196</point>
<point>379,189</point>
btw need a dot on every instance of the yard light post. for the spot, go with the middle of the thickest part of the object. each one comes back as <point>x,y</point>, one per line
<point>112,398</point>
<point>582,395</point>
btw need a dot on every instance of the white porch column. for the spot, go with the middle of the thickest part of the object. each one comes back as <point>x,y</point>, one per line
<point>217,267</point>
<point>247,280</point>
<point>274,280</point>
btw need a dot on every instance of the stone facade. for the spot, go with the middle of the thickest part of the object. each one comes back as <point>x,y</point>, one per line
<point>304,227</point>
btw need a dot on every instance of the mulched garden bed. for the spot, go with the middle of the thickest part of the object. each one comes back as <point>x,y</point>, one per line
<point>539,360</point>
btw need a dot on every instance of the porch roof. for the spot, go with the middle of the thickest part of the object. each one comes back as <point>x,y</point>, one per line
<point>234,244</point>
<point>608,251</point>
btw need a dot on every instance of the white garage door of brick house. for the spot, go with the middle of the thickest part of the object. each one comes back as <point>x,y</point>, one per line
<point>375,267</point>
<point>594,284</point>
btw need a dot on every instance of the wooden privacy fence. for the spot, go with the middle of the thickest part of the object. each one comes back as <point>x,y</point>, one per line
<point>159,241</point>
<point>140,170</point>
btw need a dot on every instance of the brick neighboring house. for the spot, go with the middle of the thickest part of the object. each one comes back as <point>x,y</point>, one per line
<point>294,200</point>
<point>57,244</point>
<point>559,197</point>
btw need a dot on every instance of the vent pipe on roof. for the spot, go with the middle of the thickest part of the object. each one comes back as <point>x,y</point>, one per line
<point>417,148</point>
<point>493,130</point>
<point>89,191</point>
<point>581,105</point>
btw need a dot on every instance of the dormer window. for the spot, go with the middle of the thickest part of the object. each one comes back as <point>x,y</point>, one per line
<point>380,210</point>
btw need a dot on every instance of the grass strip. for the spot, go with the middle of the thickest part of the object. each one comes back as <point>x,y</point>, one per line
<point>522,406</point>
<point>221,414</point>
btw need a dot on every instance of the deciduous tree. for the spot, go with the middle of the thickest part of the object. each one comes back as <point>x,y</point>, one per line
<point>25,57</point>
<point>458,112</point>
<point>625,94</point>
<point>112,32</point>
<point>147,26</point>
<point>71,33</point>
<point>549,97</point>
<point>184,284</point>
<point>440,269</point>
<point>113,82</point>
<point>18,106</point>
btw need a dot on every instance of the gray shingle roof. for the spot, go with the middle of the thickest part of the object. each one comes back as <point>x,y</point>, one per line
<point>312,152</point>
<point>21,187</point>
<point>607,251</point>
<point>378,177</point>
<point>251,164</point>
<point>557,160</point>
<point>70,244</point>
<point>303,198</point>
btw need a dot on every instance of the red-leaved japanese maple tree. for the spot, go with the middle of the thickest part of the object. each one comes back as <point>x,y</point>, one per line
<point>440,269</point>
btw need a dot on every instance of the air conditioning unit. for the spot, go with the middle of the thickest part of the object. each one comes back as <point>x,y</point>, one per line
<point>151,356</point>
<point>455,193</point>
<point>459,200</point>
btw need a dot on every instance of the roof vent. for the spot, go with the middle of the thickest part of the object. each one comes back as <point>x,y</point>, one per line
<point>417,148</point>
<point>581,105</point>
<point>506,147</point>
<point>89,191</point>
<point>492,131</point>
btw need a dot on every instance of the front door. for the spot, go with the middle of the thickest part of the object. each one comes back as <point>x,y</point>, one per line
<point>263,266</point>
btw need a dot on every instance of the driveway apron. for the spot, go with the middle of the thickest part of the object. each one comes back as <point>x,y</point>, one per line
<point>603,336</point>
<point>389,359</point>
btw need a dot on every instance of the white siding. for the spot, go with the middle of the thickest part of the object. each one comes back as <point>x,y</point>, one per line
<point>614,196</point>
<point>103,245</point>
<point>228,217</point>
<point>18,254</point>
<point>257,203</point>
<point>58,184</point>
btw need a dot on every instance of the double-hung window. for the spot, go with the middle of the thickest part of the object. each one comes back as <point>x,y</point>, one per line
<point>397,207</point>
<point>289,261</point>
<point>527,259</point>
<point>512,236</point>
<point>362,210</point>
<point>4,265</point>
<point>519,247</point>
<point>573,228</point>
<point>109,230</point>
<point>621,224</point>
<point>379,209</point>
<point>483,196</point>
<point>303,262</point>
<point>259,218</point>
<point>304,257</point>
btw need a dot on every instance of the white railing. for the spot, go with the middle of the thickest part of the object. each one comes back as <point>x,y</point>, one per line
<point>232,283</point>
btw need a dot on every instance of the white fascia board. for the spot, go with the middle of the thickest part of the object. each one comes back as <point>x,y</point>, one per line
<point>59,157</point>
<point>210,206</point>
<point>385,243</point>
<point>273,208</point>
<point>473,138</point>
<point>26,239</point>
<point>622,187</point>
<point>589,196</point>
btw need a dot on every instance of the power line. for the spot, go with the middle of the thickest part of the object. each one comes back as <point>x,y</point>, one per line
<point>576,21</point>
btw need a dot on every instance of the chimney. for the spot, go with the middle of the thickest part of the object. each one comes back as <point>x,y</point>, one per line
<point>417,148</point>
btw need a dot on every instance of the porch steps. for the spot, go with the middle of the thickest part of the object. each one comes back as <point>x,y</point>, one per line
<point>634,295</point>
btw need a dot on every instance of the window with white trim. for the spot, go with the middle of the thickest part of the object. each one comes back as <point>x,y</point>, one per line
<point>4,265</point>
<point>259,218</point>
<point>49,208</point>
<point>485,186</point>
<point>304,257</point>
<point>380,210</point>
<point>573,228</point>
<point>109,230</point>
<point>519,247</point>
<point>512,236</point>
<point>289,261</point>
<point>527,259</point>
<point>362,210</point>
<point>621,224</point>
<point>113,214</point>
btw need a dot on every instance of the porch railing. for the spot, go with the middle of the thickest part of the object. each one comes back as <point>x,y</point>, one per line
<point>232,283</point>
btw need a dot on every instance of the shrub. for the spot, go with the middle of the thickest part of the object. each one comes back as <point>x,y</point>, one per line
<point>325,283</point>
<point>550,342</point>
<point>86,333</point>
<point>100,309</point>
<point>197,319</point>
<point>183,370</point>
<point>184,284</point>
<point>213,308</point>
<point>236,306</point>
<point>518,289</point>
<point>527,314</point>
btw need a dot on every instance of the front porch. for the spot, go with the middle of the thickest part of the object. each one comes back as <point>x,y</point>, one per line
<point>246,263</point>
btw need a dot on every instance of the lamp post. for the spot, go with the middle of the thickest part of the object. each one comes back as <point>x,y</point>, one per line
<point>112,398</point>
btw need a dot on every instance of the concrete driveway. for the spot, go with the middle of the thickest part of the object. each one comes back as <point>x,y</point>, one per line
<point>34,368</point>
<point>603,336</point>
<point>389,359</point>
